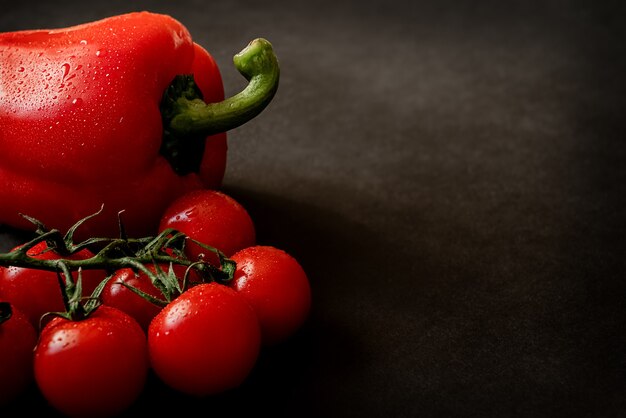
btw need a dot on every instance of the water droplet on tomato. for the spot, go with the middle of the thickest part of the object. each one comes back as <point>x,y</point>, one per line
<point>21,69</point>
<point>83,42</point>
<point>77,101</point>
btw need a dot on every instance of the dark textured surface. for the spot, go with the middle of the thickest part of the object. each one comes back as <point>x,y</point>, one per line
<point>451,175</point>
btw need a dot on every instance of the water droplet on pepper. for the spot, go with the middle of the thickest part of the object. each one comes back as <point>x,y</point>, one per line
<point>66,69</point>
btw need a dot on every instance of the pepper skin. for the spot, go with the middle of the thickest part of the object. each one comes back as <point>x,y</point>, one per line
<point>82,122</point>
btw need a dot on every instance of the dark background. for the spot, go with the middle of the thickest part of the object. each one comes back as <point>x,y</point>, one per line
<point>451,176</point>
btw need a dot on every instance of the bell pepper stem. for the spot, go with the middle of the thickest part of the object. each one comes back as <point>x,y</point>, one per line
<point>258,64</point>
<point>188,120</point>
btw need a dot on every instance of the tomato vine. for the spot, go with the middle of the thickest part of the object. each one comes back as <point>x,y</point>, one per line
<point>113,254</point>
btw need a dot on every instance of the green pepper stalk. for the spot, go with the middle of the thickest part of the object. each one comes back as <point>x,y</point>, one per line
<point>188,120</point>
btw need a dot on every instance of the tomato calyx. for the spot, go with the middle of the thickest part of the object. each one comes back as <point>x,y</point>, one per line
<point>112,254</point>
<point>76,306</point>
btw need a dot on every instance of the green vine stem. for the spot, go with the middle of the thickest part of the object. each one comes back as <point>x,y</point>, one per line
<point>119,253</point>
<point>167,248</point>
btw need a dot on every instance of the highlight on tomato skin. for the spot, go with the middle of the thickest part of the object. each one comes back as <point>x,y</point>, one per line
<point>276,286</point>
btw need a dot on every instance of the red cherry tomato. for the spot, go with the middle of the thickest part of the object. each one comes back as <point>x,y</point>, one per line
<point>36,292</point>
<point>17,341</point>
<point>212,218</point>
<point>204,342</point>
<point>117,295</point>
<point>276,286</point>
<point>95,367</point>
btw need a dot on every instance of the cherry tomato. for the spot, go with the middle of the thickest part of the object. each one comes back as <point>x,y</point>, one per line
<point>17,341</point>
<point>213,218</point>
<point>36,292</point>
<point>276,286</point>
<point>95,367</point>
<point>204,342</point>
<point>117,295</point>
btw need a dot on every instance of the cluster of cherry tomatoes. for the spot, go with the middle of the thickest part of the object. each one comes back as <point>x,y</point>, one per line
<point>203,342</point>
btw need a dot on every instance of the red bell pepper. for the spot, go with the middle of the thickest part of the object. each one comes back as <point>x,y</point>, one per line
<point>125,113</point>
